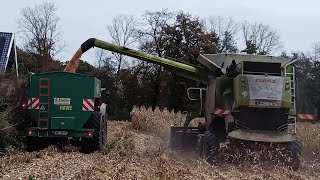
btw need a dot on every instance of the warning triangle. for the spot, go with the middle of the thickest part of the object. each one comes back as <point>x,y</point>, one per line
<point>42,107</point>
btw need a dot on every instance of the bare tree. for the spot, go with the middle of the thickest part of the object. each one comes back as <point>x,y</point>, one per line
<point>260,38</point>
<point>41,30</point>
<point>315,54</point>
<point>152,31</point>
<point>152,41</point>
<point>104,61</point>
<point>123,33</point>
<point>227,31</point>
<point>220,25</point>
<point>101,57</point>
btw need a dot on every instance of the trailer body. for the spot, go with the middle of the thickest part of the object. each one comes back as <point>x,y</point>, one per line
<point>61,103</point>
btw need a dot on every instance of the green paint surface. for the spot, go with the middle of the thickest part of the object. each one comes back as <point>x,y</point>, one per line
<point>75,87</point>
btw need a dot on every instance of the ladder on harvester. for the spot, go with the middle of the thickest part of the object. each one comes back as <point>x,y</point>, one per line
<point>44,103</point>
<point>290,72</point>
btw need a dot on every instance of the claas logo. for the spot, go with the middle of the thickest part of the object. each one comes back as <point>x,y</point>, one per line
<point>266,80</point>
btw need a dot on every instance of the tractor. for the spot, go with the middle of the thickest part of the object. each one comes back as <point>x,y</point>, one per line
<point>248,98</point>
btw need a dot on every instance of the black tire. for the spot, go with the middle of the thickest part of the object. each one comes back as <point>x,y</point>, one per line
<point>294,149</point>
<point>95,122</point>
<point>210,148</point>
<point>36,143</point>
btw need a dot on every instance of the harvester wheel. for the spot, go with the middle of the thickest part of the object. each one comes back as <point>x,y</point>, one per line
<point>294,149</point>
<point>210,147</point>
<point>97,123</point>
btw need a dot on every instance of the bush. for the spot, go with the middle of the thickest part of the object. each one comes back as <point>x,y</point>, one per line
<point>13,91</point>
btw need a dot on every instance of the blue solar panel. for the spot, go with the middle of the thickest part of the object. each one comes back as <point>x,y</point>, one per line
<point>5,48</point>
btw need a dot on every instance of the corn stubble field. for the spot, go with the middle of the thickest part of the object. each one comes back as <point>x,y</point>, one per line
<point>138,150</point>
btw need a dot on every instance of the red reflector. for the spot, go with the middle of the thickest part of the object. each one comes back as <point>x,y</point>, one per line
<point>24,105</point>
<point>31,132</point>
<point>89,134</point>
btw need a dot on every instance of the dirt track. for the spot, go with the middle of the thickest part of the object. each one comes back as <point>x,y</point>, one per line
<point>132,154</point>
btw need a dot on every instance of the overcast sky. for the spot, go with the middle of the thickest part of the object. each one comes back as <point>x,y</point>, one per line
<point>298,22</point>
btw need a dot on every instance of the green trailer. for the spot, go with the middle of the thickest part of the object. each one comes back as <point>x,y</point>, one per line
<point>65,105</point>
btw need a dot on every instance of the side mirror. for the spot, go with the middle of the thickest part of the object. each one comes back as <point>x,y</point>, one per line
<point>195,94</point>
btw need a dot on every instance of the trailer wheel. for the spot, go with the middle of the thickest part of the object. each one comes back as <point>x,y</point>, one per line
<point>210,148</point>
<point>294,149</point>
<point>95,122</point>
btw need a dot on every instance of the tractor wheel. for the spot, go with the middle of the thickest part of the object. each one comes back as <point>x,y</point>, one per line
<point>95,122</point>
<point>210,147</point>
<point>36,143</point>
<point>294,149</point>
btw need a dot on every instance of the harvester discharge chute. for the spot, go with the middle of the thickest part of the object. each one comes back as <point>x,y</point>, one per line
<point>248,98</point>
